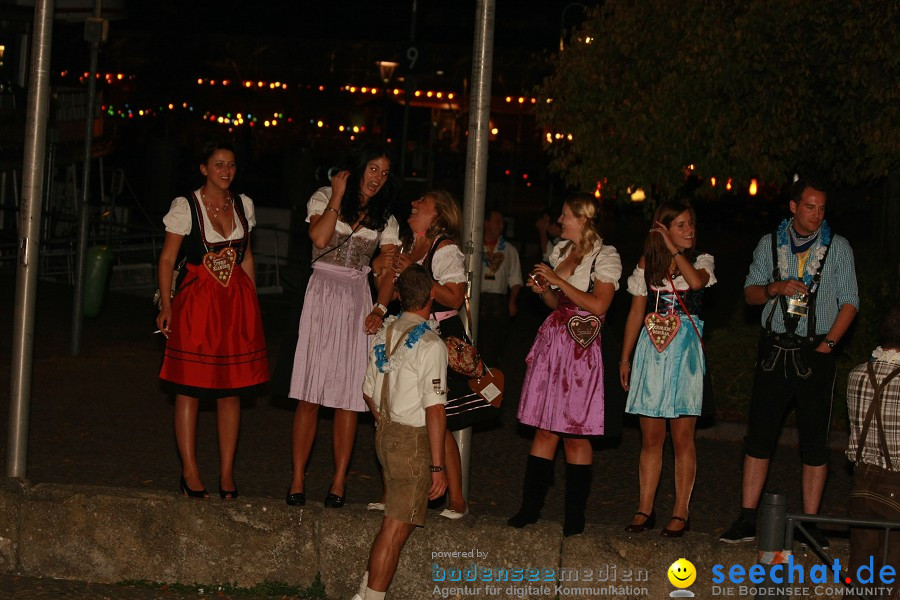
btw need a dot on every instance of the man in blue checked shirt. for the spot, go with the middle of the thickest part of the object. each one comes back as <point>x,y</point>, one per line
<point>805,277</point>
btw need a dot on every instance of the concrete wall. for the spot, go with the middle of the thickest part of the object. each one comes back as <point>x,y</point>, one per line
<point>109,535</point>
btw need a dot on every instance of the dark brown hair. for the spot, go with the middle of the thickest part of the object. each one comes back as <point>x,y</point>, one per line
<point>414,287</point>
<point>657,257</point>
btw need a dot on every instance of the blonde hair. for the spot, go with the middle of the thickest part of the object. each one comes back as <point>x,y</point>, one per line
<point>585,206</point>
<point>448,219</point>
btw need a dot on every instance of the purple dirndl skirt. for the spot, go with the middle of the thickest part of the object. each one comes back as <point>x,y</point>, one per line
<point>332,348</point>
<point>563,388</point>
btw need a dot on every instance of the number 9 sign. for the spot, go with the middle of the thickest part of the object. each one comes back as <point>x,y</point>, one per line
<point>412,55</point>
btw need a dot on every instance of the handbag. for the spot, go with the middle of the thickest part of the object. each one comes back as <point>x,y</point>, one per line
<point>177,278</point>
<point>485,383</point>
<point>463,357</point>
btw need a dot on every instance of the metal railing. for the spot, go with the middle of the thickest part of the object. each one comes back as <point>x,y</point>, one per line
<point>776,533</point>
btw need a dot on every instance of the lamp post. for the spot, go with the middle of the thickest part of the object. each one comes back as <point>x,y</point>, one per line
<point>386,69</point>
<point>562,23</point>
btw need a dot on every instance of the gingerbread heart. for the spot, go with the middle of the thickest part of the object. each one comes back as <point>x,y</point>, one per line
<point>495,259</point>
<point>584,330</point>
<point>221,264</point>
<point>662,329</point>
<point>489,386</point>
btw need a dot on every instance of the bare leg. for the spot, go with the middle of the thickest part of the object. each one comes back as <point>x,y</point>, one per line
<point>753,481</point>
<point>228,418</point>
<point>653,436</point>
<point>186,439</point>
<point>813,481</point>
<point>544,444</point>
<point>385,554</point>
<point>306,419</point>
<point>685,466</point>
<point>578,451</point>
<point>455,500</point>
<point>344,437</point>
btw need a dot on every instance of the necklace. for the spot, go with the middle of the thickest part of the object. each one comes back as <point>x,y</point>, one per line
<point>216,209</point>
<point>386,365</point>
<point>818,247</point>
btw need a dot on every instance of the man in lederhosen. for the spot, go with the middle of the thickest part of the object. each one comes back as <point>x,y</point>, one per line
<point>806,279</point>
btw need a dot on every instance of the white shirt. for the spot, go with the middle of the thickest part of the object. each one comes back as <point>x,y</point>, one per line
<point>421,379</point>
<point>637,285</point>
<point>508,271</point>
<point>389,236</point>
<point>178,219</point>
<point>607,266</point>
<point>448,265</point>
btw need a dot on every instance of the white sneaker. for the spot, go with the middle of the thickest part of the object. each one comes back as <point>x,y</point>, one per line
<point>449,513</point>
<point>374,506</point>
<point>356,597</point>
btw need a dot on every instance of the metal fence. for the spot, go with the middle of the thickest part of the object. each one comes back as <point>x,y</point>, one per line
<point>775,539</point>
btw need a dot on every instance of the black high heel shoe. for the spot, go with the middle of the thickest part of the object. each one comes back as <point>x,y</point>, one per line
<point>195,494</point>
<point>227,494</point>
<point>334,501</point>
<point>677,533</point>
<point>649,522</point>
<point>296,499</point>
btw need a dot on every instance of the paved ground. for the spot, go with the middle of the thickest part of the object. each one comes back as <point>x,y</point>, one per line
<point>14,586</point>
<point>100,419</point>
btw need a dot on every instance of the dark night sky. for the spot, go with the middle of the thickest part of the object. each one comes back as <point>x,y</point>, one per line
<point>171,41</point>
<point>532,25</point>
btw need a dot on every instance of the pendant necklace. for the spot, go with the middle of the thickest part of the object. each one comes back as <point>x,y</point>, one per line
<point>216,209</point>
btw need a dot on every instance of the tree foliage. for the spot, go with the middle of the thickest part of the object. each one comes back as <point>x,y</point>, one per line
<point>753,88</point>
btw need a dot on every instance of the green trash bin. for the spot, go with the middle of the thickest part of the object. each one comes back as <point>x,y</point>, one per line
<point>98,264</point>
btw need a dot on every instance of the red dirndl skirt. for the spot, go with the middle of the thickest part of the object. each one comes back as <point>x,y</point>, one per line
<point>216,347</point>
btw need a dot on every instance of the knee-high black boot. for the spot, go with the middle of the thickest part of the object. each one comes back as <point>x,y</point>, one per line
<point>538,479</point>
<point>578,486</point>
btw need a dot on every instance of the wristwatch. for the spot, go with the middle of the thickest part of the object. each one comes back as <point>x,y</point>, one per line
<point>435,469</point>
<point>829,343</point>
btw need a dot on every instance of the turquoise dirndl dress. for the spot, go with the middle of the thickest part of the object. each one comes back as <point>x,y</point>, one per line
<point>668,383</point>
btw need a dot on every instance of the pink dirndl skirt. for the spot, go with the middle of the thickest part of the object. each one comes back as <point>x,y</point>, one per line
<point>563,388</point>
<point>332,347</point>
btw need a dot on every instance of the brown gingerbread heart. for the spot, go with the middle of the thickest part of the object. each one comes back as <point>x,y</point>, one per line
<point>662,329</point>
<point>495,259</point>
<point>221,264</point>
<point>584,330</point>
<point>489,386</point>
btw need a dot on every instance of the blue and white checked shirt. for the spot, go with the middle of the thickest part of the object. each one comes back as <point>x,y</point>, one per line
<point>837,285</point>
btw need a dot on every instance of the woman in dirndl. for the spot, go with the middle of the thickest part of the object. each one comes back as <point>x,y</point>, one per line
<point>215,349</point>
<point>433,242</point>
<point>348,221</point>
<point>562,395</point>
<point>666,383</point>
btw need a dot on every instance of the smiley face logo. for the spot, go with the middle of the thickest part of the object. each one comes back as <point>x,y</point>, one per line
<point>682,573</point>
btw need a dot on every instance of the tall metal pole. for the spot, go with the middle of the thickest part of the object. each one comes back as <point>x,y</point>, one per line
<point>408,88</point>
<point>29,239</point>
<point>476,179</point>
<point>84,213</point>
